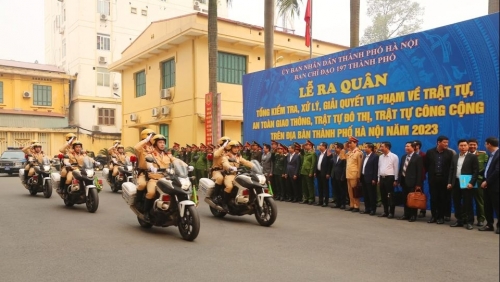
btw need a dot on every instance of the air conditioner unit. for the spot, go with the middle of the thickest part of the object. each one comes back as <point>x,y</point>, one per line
<point>103,17</point>
<point>96,128</point>
<point>154,112</point>
<point>102,60</point>
<point>165,110</point>
<point>26,94</point>
<point>60,0</point>
<point>133,117</point>
<point>61,30</point>
<point>115,85</point>
<point>196,3</point>
<point>166,94</point>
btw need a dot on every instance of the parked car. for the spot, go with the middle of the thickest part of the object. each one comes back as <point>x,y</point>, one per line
<point>12,160</point>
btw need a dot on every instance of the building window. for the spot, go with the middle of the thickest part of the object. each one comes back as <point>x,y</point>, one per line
<point>133,10</point>
<point>140,84</point>
<point>42,95</point>
<point>1,92</point>
<point>106,116</point>
<point>202,1</point>
<point>144,12</point>
<point>63,49</point>
<point>102,77</point>
<point>164,132</point>
<point>168,74</point>
<point>103,7</point>
<point>231,68</point>
<point>103,42</point>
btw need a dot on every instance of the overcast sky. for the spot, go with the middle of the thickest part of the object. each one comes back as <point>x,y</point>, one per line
<point>22,32</point>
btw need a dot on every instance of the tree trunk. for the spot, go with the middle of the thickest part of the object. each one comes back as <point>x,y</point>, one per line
<point>212,65</point>
<point>269,32</point>
<point>354,23</point>
<point>492,6</point>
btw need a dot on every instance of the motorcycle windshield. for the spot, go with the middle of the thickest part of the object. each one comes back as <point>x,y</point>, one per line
<point>45,161</point>
<point>180,168</point>
<point>87,163</point>
<point>127,161</point>
<point>257,168</point>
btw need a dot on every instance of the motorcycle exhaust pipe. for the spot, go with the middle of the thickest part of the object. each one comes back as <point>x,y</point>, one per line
<point>213,205</point>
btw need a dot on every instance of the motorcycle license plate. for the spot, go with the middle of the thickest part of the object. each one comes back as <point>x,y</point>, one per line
<point>7,168</point>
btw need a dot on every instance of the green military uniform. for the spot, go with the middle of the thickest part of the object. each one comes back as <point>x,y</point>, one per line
<point>200,166</point>
<point>256,155</point>
<point>246,154</point>
<point>176,153</point>
<point>307,174</point>
<point>278,171</point>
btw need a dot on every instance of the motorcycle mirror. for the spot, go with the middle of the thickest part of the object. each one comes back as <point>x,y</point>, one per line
<point>150,159</point>
<point>133,159</point>
<point>60,156</point>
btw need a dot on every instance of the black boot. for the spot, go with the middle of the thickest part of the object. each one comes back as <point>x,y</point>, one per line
<point>139,197</point>
<point>62,183</point>
<point>148,204</point>
<point>25,176</point>
<point>225,201</point>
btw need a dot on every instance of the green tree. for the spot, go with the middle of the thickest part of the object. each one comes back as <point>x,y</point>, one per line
<point>392,18</point>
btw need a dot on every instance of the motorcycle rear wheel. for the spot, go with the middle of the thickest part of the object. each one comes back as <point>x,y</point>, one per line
<point>217,213</point>
<point>115,187</point>
<point>189,224</point>
<point>92,202</point>
<point>266,215</point>
<point>144,224</point>
<point>47,190</point>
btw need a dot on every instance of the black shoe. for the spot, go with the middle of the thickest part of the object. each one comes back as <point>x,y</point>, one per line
<point>486,228</point>
<point>440,221</point>
<point>288,200</point>
<point>379,205</point>
<point>469,226</point>
<point>403,218</point>
<point>324,205</point>
<point>282,199</point>
<point>390,216</point>
<point>432,220</point>
<point>355,210</point>
<point>303,202</point>
<point>310,203</point>
<point>421,214</point>
<point>318,204</point>
<point>457,224</point>
<point>342,207</point>
<point>372,213</point>
<point>364,212</point>
<point>348,209</point>
<point>447,219</point>
<point>148,204</point>
<point>480,223</point>
<point>497,231</point>
<point>382,215</point>
<point>412,219</point>
<point>335,207</point>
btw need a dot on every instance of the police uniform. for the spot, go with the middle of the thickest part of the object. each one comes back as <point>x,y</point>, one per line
<point>38,158</point>
<point>142,149</point>
<point>227,165</point>
<point>217,166</point>
<point>307,173</point>
<point>256,154</point>
<point>279,162</point>
<point>353,172</point>
<point>121,158</point>
<point>76,161</point>
<point>163,160</point>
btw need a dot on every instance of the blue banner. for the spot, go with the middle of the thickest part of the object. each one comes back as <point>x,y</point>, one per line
<point>443,81</point>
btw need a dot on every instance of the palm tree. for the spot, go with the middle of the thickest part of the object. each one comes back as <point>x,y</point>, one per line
<point>492,6</point>
<point>355,23</point>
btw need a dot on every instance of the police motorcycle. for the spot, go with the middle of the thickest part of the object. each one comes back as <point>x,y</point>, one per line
<point>125,173</point>
<point>250,195</point>
<point>172,205</point>
<point>40,181</point>
<point>84,187</point>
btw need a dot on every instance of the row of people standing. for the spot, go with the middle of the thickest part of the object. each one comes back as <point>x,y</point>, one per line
<point>292,170</point>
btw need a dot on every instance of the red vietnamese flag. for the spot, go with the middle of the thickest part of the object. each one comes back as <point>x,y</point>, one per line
<point>307,18</point>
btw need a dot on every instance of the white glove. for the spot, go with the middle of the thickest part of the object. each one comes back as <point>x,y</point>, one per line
<point>153,169</point>
<point>70,140</point>
<point>233,168</point>
<point>225,143</point>
<point>149,137</point>
<point>190,168</point>
<point>97,163</point>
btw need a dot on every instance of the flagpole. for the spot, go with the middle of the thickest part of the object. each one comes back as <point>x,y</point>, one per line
<point>311,32</point>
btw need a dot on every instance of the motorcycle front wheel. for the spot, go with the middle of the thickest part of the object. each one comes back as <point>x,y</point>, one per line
<point>144,224</point>
<point>68,203</point>
<point>47,190</point>
<point>33,190</point>
<point>266,215</point>
<point>92,201</point>
<point>189,224</point>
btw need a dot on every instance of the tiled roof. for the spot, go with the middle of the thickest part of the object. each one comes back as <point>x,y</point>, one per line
<point>31,66</point>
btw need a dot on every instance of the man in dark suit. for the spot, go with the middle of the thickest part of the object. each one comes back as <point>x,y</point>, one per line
<point>437,164</point>
<point>292,173</point>
<point>369,177</point>
<point>323,168</point>
<point>491,185</point>
<point>418,150</point>
<point>337,176</point>
<point>410,177</point>
<point>463,163</point>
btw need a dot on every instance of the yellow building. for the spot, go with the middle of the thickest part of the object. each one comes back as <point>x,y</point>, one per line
<point>165,75</point>
<point>35,105</point>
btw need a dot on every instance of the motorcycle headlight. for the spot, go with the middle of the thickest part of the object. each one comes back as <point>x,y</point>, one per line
<point>46,167</point>
<point>262,179</point>
<point>90,172</point>
<point>185,183</point>
<point>129,168</point>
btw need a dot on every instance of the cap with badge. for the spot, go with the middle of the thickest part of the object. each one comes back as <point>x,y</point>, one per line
<point>194,146</point>
<point>353,139</point>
